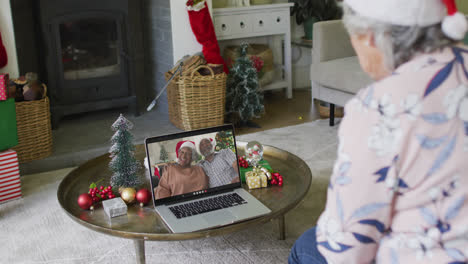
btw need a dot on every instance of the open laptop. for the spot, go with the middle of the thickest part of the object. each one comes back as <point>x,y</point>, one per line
<point>185,200</point>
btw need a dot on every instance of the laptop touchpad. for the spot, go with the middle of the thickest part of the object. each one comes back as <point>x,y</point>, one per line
<point>220,217</point>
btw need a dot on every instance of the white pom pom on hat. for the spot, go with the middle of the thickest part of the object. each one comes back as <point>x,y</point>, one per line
<point>454,25</point>
<point>415,13</point>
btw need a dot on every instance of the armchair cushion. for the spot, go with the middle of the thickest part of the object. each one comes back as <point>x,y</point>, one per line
<point>342,74</point>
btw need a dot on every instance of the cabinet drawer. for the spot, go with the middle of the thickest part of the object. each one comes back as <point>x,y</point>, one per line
<point>262,22</point>
<point>232,25</point>
<point>279,21</point>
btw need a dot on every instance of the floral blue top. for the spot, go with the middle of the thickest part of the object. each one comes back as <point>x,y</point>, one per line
<point>399,189</point>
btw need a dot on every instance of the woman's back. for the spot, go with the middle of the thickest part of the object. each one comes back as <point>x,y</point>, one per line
<point>403,159</point>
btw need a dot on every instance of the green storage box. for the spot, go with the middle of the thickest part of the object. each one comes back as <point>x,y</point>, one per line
<point>8,131</point>
<point>262,163</point>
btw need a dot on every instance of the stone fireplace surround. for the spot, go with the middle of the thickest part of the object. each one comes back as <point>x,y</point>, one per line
<point>149,31</point>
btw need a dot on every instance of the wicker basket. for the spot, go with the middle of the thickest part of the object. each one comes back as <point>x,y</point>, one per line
<point>34,129</point>
<point>324,111</point>
<point>197,101</point>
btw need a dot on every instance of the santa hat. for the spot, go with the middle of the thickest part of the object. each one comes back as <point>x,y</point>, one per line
<point>182,144</point>
<point>415,13</point>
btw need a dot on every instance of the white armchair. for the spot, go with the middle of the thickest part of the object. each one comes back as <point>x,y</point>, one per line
<point>335,73</point>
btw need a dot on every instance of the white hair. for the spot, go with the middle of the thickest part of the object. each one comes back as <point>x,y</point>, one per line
<point>397,43</point>
<point>212,142</point>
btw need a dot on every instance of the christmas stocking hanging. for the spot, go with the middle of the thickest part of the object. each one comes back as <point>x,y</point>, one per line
<point>203,29</point>
<point>3,54</point>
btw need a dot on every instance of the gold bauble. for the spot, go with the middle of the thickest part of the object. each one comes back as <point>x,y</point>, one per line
<point>128,195</point>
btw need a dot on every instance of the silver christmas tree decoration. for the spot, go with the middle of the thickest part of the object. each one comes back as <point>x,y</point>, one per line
<point>123,164</point>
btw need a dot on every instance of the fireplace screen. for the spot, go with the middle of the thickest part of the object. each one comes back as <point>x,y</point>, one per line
<point>90,48</point>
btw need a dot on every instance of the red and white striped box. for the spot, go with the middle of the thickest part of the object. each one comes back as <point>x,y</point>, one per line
<point>10,185</point>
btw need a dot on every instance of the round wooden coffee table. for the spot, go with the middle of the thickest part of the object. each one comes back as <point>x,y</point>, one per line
<point>142,224</point>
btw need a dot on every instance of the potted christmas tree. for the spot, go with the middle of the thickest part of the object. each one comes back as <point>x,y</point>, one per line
<point>311,11</point>
<point>244,101</point>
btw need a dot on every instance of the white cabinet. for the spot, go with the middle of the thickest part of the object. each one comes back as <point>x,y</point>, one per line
<point>260,21</point>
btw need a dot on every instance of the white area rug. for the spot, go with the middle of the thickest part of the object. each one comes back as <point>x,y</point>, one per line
<point>35,229</point>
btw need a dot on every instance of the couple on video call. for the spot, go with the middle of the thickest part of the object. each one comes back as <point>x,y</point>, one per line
<point>218,168</point>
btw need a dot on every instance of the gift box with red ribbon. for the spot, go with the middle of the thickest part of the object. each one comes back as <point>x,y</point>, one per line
<point>10,185</point>
<point>4,86</point>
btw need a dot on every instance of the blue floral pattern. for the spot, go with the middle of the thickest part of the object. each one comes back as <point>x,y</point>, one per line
<point>400,160</point>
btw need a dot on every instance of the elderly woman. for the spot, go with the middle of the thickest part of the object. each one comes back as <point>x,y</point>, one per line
<point>399,189</point>
<point>183,177</point>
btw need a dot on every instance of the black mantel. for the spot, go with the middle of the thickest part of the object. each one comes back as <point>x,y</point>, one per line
<point>50,20</point>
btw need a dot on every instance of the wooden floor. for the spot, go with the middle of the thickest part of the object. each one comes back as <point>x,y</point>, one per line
<point>281,112</point>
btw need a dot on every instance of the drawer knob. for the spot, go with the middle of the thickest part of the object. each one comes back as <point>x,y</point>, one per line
<point>223,27</point>
<point>278,19</point>
<point>242,25</point>
<point>260,22</point>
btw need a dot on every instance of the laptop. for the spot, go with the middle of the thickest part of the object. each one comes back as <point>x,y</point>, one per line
<point>206,193</point>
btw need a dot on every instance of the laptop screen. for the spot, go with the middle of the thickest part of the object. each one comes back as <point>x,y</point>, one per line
<point>193,163</point>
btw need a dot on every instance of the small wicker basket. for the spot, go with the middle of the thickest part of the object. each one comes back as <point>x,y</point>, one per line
<point>34,129</point>
<point>197,101</point>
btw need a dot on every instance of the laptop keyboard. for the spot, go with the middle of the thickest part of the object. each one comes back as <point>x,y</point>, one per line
<point>207,205</point>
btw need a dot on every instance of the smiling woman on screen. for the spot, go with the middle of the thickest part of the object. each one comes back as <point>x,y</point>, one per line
<point>183,177</point>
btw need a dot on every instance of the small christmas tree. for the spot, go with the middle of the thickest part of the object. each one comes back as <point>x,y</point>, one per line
<point>123,163</point>
<point>224,140</point>
<point>163,156</point>
<point>242,95</point>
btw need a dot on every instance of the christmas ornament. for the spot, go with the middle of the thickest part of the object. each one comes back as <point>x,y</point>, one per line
<point>143,196</point>
<point>128,195</point>
<point>267,173</point>
<point>276,179</point>
<point>123,164</point>
<point>85,201</point>
<point>254,152</point>
<point>243,162</point>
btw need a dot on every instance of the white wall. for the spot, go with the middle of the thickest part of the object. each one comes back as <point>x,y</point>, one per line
<point>183,40</point>
<point>8,38</point>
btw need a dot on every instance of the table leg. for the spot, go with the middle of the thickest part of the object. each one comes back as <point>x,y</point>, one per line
<point>139,250</point>
<point>281,228</point>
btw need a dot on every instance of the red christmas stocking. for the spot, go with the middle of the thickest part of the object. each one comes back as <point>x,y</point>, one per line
<point>203,29</point>
<point>3,54</point>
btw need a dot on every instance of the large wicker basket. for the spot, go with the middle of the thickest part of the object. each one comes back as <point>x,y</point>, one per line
<point>197,101</point>
<point>34,129</point>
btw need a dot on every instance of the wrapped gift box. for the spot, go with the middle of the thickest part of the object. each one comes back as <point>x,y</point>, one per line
<point>10,185</point>
<point>8,129</point>
<point>243,171</point>
<point>256,180</point>
<point>114,207</point>
<point>4,80</point>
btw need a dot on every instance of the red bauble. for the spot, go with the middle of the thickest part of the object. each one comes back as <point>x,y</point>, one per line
<point>143,196</point>
<point>85,201</point>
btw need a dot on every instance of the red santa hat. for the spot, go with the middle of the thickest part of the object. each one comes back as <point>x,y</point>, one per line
<point>415,13</point>
<point>184,143</point>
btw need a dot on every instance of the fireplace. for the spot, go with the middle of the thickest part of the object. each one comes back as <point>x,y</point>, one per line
<point>92,54</point>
